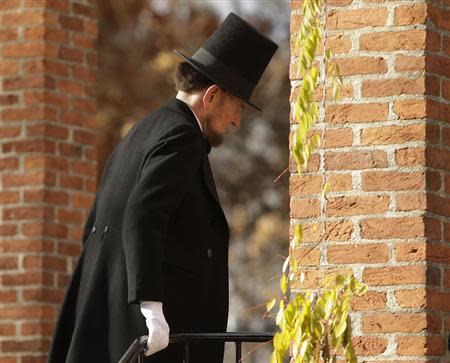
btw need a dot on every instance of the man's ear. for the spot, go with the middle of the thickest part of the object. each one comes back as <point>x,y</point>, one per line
<point>210,94</point>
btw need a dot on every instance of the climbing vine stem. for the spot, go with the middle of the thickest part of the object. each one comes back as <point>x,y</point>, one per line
<point>314,324</point>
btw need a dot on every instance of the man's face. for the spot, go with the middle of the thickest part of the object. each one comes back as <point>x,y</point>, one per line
<point>223,114</point>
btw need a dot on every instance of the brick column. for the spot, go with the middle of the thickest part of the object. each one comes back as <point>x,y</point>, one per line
<point>387,157</point>
<point>48,163</point>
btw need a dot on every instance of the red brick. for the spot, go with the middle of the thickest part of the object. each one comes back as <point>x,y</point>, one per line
<point>438,158</point>
<point>9,67</point>
<point>47,66</point>
<point>21,50</point>
<point>410,252</point>
<point>395,323</point>
<point>32,346</point>
<point>70,150</point>
<point>69,249</point>
<point>73,182</point>
<point>399,275</point>
<point>85,137</point>
<point>9,99</point>
<point>83,41</point>
<point>439,17</point>
<point>420,345</point>
<point>7,330</point>
<point>438,64</point>
<point>366,112</point>
<point>82,9</point>
<point>340,230</point>
<point>357,205</point>
<point>8,263</point>
<point>47,263</point>
<point>29,178</point>
<point>433,181</point>
<point>8,197</point>
<point>305,184</point>
<point>355,160</point>
<point>8,296</point>
<point>358,18</point>
<point>27,278</point>
<point>23,245</point>
<point>392,134</point>
<point>45,195</point>
<point>410,156</point>
<point>83,168</point>
<point>45,229</point>
<point>88,75</point>
<point>399,227</point>
<point>369,346</point>
<point>48,130</point>
<point>361,65</point>
<point>410,109</point>
<point>360,253</point>
<point>411,201</point>
<point>9,163</point>
<point>73,118</point>
<point>46,162</point>
<point>393,41</point>
<point>8,230</point>
<point>338,138</point>
<point>340,182</point>
<point>446,89</point>
<point>438,253</point>
<point>392,87</point>
<point>439,301</point>
<point>371,300</point>
<point>38,329</point>
<point>27,18</point>
<point>438,111</point>
<point>23,213</point>
<point>69,216</point>
<point>29,113</point>
<point>30,146</point>
<point>392,180</point>
<point>410,14</point>
<point>71,23</point>
<point>304,208</point>
<point>72,87</point>
<point>411,298</point>
<point>306,255</point>
<point>71,54</point>
<point>45,97</point>
<point>10,131</point>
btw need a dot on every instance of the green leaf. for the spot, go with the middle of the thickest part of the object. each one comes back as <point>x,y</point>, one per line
<point>270,304</point>
<point>283,283</point>
<point>340,328</point>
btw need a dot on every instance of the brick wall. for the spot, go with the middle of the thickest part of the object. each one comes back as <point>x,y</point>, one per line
<point>48,163</point>
<point>387,157</point>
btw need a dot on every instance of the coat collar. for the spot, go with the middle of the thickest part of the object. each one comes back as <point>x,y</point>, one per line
<point>179,106</point>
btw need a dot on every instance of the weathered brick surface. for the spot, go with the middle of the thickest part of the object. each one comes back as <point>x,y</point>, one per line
<point>389,136</point>
<point>46,68</point>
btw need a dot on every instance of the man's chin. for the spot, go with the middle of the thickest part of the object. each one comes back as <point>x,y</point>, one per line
<point>214,140</point>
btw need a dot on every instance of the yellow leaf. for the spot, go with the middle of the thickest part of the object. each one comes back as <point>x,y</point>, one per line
<point>270,304</point>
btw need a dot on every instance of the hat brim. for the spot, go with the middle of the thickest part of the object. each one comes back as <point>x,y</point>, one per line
<point>204,70</point>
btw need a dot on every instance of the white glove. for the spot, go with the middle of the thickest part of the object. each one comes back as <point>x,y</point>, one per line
<point>158,329</point>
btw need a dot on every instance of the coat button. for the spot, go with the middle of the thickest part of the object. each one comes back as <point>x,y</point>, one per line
<point>105,230</point>
<point>210,253</point>
<point>93,230</point>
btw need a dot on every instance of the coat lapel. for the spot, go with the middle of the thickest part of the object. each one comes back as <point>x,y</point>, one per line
<point>180,107</point>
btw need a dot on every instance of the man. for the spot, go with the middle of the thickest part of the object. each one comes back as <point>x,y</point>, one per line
<point>155,256</point>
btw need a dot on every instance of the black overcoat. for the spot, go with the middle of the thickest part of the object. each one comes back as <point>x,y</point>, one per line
<point>156,232</point>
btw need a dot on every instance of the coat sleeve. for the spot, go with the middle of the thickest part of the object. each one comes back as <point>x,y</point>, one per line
<point>165,176</point>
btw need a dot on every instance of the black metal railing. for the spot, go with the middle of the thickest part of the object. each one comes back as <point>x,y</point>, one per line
<point>136,350</point>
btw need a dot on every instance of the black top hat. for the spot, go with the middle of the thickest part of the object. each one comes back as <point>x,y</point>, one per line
<point>234,57</point>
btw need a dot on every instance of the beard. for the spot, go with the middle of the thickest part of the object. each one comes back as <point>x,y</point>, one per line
<point>212,136</point>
